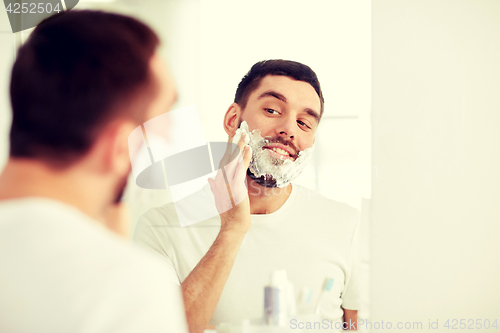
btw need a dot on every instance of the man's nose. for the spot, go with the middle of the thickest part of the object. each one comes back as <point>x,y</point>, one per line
<point>287,128</point>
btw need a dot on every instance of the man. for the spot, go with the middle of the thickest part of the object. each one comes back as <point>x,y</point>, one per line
<point>80,84</point>
<point>224,262</point>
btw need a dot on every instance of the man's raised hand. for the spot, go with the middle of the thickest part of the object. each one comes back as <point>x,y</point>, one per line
<point>229,188</point>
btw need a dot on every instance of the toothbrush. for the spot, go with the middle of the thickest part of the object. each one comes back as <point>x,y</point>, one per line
<point>327,286</point>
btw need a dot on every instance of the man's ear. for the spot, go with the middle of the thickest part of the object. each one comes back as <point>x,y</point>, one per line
<point>231,119</point>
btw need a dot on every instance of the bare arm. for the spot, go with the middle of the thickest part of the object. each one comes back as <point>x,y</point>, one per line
<point>350,319</point>
<point>203,286</point>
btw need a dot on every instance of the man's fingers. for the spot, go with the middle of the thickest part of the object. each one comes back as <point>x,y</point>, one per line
<point>240,191</point>
<point>243,164</point>
<point>241,142</point>
<point>247,156</point>
<point>232,175</point>
<point>231,165</point>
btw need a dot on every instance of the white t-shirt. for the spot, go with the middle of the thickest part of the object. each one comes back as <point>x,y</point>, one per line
<point>310,236</point>
<point>61,271</point>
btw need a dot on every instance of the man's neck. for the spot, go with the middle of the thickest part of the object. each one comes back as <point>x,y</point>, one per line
<point>23,178</point>
<point>266,200</point>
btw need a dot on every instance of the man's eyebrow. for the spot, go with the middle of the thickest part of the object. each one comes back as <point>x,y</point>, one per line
<point>274,94</point>
<point>312,113</point>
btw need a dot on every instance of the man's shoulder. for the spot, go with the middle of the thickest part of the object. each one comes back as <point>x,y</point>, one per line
<point>50,226</point>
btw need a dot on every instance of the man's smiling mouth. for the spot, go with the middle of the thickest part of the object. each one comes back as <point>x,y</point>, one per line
<point>281,153</point>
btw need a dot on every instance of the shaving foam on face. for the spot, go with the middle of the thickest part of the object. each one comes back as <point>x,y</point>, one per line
<point>280,172</point>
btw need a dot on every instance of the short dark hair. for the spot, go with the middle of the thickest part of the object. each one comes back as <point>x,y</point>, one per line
<point>292,69</point>
<point>77,71</point>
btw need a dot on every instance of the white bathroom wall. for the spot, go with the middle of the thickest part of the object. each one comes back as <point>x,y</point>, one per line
<point>436,143</point>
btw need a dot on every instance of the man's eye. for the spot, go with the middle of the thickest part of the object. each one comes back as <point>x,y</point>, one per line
<point>271,111</point>
<point>301,123</point>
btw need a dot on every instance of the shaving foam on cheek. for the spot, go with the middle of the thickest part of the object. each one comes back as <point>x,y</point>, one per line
<point>264,164</point>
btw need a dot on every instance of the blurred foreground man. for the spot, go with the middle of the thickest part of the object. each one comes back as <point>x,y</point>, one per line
<point>224,262</point>
<point>80,84</point>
